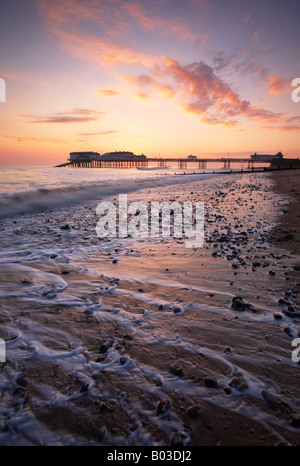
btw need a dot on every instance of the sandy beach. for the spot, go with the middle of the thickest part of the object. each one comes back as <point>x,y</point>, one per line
<point>287,233</point>
<point>140,341</point>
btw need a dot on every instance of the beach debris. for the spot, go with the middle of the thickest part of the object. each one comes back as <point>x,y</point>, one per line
<point>239,304</point>
<point>65,227</point>
<point>163,407</point>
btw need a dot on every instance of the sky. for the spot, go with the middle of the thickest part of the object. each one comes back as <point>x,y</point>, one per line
<point>164,78</point>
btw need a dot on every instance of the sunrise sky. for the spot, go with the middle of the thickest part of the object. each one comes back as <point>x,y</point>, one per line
<point>159,77</point>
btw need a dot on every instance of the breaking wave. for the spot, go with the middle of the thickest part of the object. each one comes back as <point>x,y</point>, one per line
<point>44,198</point>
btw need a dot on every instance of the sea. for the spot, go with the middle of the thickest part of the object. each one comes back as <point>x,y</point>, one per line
<point>29,189</point>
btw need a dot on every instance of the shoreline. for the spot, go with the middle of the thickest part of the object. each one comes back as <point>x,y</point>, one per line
<point>136,342</point>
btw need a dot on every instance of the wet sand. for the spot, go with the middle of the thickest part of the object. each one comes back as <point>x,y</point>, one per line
<point>140,342</point>
<point>287,233</point>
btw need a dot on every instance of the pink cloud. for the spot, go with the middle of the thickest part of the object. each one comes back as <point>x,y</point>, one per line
<point>100,133</point>
<point>248,19</point>
<point>255,38</point>
<point>77,115</point>
<point>146,81</point>
<point>33,139</point>
<point>107,92</point>
<point>203,93</point>
<point>203,39</point>
<point>289,124</point>
<point>170,26</point>
<point>103,51</point>
<point>277,85</point>
<point>115,21</point>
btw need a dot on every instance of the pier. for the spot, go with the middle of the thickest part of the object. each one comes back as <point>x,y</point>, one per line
<point>160,162</point>
<point>275,161</point>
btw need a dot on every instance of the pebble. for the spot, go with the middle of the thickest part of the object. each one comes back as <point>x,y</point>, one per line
<point>163,407</point>
<point>295,421</point>
<point>193,411</point>
<point>177,439</point>
<point>238,382</point>
<point>270,399</point>
<point>227,390</point>
<point>239,304</point>
<point>291,313</point>
<point>283,301</point>
<point>175,369</point>
<point>84,388</point>
<point>227,350</point>
<point>123,360</point>
<point>178,310</point>
<point>102,433</point>
<point>210,382</point>
<point>105,345</point>
<point>288,331</point>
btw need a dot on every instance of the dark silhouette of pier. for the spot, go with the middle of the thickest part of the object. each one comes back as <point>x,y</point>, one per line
<point>182,163</point>
<point>160,162</point>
